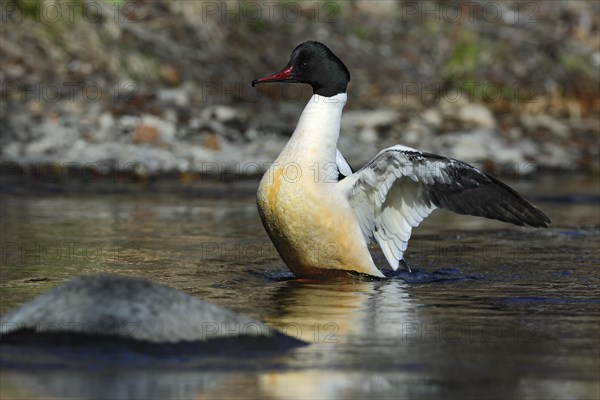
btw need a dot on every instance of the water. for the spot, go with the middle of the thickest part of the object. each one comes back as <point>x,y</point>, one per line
<point>490,310</point>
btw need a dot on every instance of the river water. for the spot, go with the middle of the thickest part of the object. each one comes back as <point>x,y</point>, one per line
<point>490,310</point>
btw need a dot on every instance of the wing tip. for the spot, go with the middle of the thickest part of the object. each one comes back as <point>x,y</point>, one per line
<point>534,216</point>
<point>541,220</point>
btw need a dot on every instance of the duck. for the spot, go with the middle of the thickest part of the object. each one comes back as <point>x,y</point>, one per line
<point>321,214</point>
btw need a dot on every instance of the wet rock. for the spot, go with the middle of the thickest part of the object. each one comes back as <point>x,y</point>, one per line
<point>129,308</point>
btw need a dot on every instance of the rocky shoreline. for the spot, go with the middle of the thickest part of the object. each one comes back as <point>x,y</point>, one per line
<point>163,88</point>
<point>172,135</point>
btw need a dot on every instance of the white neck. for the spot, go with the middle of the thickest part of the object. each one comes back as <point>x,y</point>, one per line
<point>316,135</point>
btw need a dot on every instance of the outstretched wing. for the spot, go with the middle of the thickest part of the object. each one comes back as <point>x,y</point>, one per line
<point>401,186</point>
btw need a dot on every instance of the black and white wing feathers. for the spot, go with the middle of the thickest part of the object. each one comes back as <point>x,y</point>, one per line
<point>401,186</point>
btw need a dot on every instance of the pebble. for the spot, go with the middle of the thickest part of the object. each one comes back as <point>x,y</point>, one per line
<point>545,123</point>
<point>476,115</point>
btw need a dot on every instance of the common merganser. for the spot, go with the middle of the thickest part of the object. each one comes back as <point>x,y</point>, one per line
<point>321,215</point>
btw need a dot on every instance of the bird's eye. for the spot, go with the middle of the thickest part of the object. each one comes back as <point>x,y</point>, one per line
<point>303,65</point>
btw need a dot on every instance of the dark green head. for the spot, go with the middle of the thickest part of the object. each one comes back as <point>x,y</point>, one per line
<point>313,63</point>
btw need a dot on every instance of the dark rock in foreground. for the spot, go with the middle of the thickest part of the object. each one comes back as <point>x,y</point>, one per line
<point>112,311</point>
